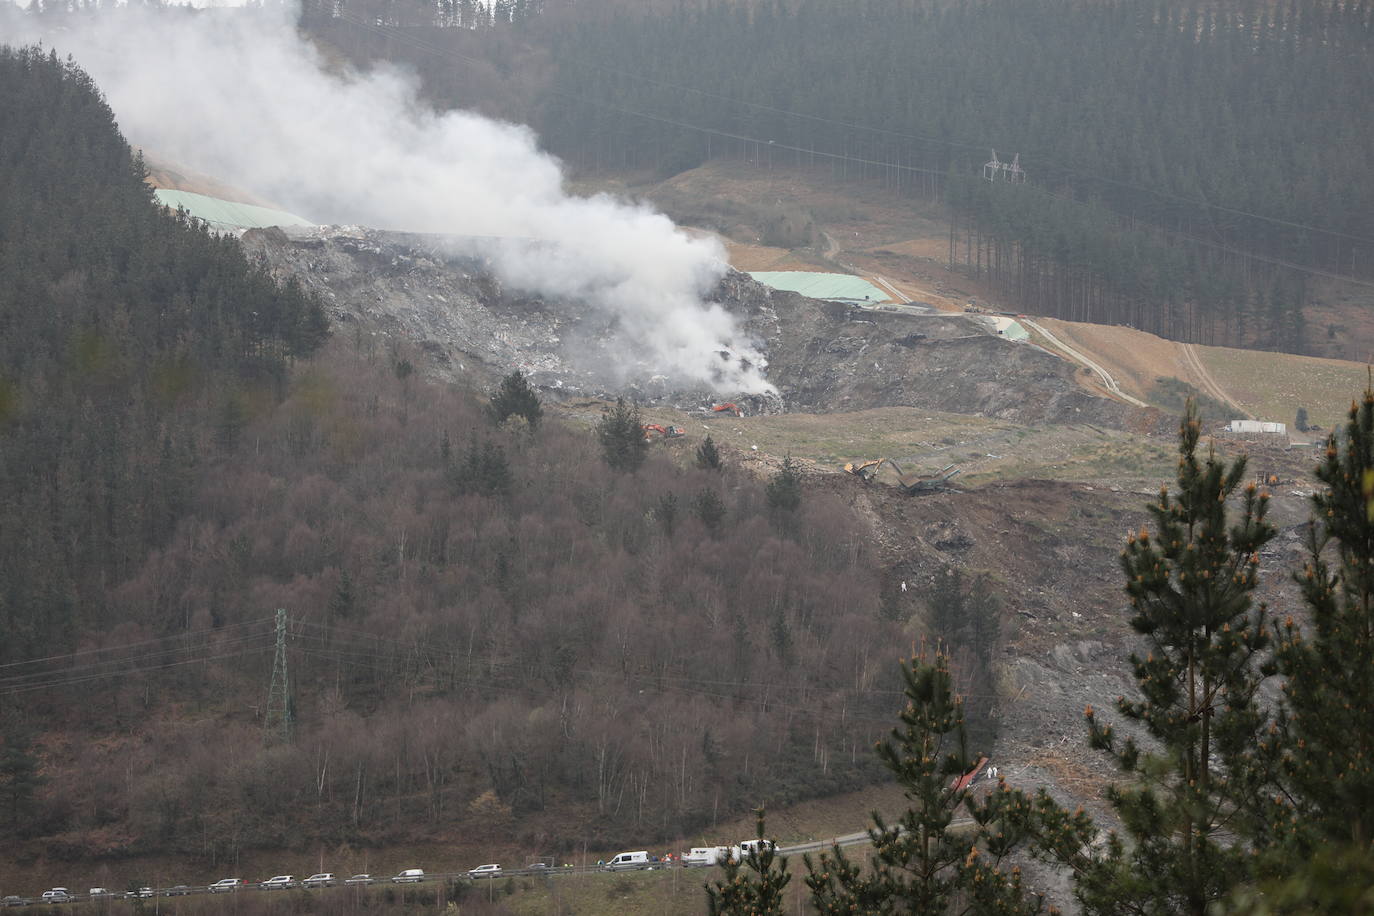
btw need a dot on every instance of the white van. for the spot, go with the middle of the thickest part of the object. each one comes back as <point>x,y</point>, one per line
<point>629,860</point>
<point>702,856</point>
<point>741,852</point>
<point>409,876</point>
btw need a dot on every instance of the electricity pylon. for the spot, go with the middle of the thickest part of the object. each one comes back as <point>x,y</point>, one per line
<point>277,722</point>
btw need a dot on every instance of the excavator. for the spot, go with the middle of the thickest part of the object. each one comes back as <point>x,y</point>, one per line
<point>667,432</point>
<point>864,470</point>
<point>731,407</point>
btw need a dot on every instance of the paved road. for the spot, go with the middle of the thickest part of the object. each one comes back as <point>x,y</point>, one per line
<point>849,839</point>
<point>1077,357</point>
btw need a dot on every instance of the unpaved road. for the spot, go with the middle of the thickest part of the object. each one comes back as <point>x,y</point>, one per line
<point>1077,357</point>
<point>1205,381</point>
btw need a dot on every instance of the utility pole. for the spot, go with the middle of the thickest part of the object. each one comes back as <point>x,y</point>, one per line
<point>278,719</point>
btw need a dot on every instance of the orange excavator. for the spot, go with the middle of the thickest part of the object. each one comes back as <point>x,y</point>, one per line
<point>730,407</point>
<point>667,432</point>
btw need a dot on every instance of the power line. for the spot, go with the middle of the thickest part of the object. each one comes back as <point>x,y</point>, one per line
<point>392,32</point>
<point>117,665</point>
<point>132,645</point>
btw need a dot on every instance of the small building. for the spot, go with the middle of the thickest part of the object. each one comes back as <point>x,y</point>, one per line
<point>1256,428</point>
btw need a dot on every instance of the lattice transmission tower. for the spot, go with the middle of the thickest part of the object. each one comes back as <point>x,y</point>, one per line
<point>277,723</point>
<point>997,170</point>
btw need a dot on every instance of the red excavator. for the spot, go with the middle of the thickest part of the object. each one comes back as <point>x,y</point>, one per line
<point>667,432</point>
<point>731,407</point>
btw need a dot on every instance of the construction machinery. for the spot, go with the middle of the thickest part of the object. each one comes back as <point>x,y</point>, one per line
<point>864,470</point>
<point>923,483</point>
<point>666,432</point>
<point>728,408</point>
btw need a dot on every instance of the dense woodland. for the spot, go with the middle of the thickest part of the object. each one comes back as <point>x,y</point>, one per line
<point>1189,168</point>
<point>487,620</point>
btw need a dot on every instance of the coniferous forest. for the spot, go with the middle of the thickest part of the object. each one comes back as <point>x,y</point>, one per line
<point>1190,170</point>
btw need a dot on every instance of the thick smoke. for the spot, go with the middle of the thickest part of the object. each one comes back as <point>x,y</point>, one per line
<point>237,94</point>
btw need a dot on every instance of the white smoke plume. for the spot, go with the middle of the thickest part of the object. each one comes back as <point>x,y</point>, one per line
<point>239,95</point>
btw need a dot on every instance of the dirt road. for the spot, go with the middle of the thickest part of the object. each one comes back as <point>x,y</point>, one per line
<point>1205,381</point>
<point>1077,357</point>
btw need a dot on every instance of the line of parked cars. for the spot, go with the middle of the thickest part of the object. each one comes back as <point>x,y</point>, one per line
<point>699,856</point>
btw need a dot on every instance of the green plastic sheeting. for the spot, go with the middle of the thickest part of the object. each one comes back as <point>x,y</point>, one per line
<point>836,287</point>
<point>226,215</point>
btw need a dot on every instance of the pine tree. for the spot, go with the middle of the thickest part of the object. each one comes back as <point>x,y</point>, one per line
<point>784,490</point>
<point>20,776</point>
<point>709,507</point>
<point>515,397</point>
<point>926,863</point>
<point>708,456</point>
<point>1329,713</point>
<point>622,437</point>
<point>1190,588</point>
<point>753,886</point>
<point>666,512</point>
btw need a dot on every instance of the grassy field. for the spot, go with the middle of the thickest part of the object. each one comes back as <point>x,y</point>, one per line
<point>986,449</point>
<point>1273,386</point>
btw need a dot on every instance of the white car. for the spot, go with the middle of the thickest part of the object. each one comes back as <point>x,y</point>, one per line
<point>227,884</point>
<point>485,871</point>
<point>278,883</point>
<point>323,879</point>
<point>409,876</point>
<point>57,895</point>
<point>96,893</point>
<point>360,879</point>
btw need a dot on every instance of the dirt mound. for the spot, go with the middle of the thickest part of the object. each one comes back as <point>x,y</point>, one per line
<point>822,356</point>
<point>831,357</point>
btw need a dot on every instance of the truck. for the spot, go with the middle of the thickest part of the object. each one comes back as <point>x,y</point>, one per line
<point>703,856</point>
<point>741,852</point>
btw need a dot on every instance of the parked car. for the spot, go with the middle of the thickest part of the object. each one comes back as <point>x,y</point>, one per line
<point>57,895</point>
<point>179,890</point>
<point>323,879</point>
<point>227,884</point>
<point>409,876</point>
<point>360,879</point>
<point>485,871</point>
<point>141,892</point>
<point>278,883</point>
<point>12,900</point>
<point>96,893</point>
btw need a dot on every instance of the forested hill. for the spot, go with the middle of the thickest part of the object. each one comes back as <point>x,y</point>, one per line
<point>494,631</point>
<point>123,330</point>
<point>1174,153</point>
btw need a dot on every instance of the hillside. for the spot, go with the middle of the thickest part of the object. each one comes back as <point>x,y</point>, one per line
<point>491,634</point>
<point>499,643</point>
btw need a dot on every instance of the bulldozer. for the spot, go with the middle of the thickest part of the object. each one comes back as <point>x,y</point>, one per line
<point>864,470</point>
<point>666,432</point>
